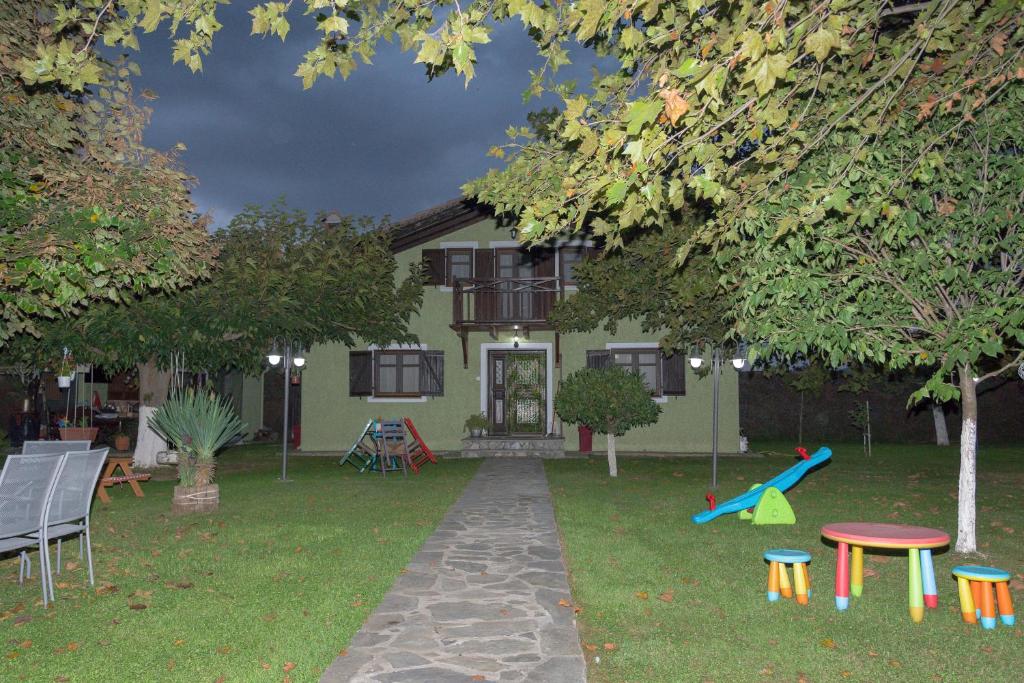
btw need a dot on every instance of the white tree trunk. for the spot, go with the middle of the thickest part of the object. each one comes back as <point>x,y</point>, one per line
<point>966,515</point>
<point>149,442</point>
<point>941,433</point>
<point>613,467</point>
<point>153,384</point>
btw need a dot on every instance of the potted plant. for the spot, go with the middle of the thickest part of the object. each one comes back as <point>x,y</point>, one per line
<point>198,423</point>
<point>476,424</point>
<point>609,400</point>
<point>122,442</point>
<point>83,432</point>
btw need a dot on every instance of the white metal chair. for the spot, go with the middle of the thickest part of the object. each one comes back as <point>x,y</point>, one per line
<point>42,447</point>
<point>70,502</point>
<point>26,486</point>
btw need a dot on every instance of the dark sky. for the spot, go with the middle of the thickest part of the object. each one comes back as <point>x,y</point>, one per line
<point>385,142</point>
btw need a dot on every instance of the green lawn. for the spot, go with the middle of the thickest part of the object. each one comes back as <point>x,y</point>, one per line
<point>663,599</point>
<point>272,586</point>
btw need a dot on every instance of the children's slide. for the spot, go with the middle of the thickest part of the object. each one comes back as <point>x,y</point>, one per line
<point>782,482</point>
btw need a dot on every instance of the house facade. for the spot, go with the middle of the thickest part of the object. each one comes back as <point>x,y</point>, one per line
<point>485,346</point>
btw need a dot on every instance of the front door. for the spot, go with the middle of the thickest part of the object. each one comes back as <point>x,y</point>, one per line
<point>518,392</point>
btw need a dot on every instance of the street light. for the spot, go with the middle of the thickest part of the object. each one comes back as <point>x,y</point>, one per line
<point>696,360</point>
<point>292,358</point>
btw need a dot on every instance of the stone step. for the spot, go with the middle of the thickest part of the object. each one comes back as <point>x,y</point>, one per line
<point>513,447</point>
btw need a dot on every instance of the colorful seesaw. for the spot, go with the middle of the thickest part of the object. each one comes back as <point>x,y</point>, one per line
<point>768,503</point>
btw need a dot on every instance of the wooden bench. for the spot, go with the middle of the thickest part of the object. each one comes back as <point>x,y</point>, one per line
<point>128,477</point>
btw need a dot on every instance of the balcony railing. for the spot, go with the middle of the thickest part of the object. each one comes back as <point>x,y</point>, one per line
<point>504,301</point>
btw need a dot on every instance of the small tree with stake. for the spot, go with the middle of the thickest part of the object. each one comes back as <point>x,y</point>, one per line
<point>608,400</point>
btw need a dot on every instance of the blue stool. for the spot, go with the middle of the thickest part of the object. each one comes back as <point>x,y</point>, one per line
<point>778,575</point>
<point>975,585</point>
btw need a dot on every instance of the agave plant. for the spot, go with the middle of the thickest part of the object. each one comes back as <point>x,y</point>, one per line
<point>198,423</point>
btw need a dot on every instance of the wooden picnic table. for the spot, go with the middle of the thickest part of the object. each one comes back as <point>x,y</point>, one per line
<point>128,476</point>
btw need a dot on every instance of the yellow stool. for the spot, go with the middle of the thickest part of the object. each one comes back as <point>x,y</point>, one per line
<point>975,585</point>
<point>778,575</point>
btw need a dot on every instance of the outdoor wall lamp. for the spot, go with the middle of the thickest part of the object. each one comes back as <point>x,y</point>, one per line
<point>515,337</point>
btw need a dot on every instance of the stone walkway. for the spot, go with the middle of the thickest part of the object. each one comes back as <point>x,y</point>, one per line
<point>480,600</point>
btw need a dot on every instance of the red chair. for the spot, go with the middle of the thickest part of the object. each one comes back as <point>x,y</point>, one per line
<point>419,452</point>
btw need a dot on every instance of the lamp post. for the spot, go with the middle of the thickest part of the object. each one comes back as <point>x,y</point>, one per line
<point>291,358</point>
<point>696,360</point>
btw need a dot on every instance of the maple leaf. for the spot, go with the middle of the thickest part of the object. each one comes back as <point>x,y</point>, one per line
<point>675,105</point>
<point>998,43</point>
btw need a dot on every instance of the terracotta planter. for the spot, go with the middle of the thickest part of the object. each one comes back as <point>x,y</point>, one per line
<point>189,499</point>
<point>79,433</point>
<point>122,443</point>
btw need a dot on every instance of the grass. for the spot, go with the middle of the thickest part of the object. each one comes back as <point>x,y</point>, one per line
<point>271,587</point>
<point>664,599</point>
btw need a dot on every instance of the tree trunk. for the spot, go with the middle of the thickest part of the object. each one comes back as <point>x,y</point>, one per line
<point>153,384</point>
<point>613,466</point>
<point>800,423</point>
<point>941,433</point>
<point>966,514</point>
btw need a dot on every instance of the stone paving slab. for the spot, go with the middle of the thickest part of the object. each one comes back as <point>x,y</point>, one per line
<point>480,600</point>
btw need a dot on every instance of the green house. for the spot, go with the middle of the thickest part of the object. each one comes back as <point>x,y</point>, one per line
<point>485,345</point>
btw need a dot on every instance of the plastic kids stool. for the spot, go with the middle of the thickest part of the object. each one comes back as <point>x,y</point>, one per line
<point>778,575</point>
<point>975,584</point>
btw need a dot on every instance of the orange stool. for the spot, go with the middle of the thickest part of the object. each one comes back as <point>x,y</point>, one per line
<point>778,575</point>
<point>975,584</point>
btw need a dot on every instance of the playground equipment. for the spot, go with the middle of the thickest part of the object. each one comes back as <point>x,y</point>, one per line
<point>778,575</point>
<point>975,584</point>
<point>776,509</point>
<point>389,446</point>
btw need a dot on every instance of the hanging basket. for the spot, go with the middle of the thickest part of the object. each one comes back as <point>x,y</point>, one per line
<point>64,381</point>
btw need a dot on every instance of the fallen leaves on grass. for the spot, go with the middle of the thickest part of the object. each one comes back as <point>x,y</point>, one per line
<point>828,644</point>
<point>667,596</point>
<point>610,646</point>
<point>642,595</point>
<point>137,606</point>
<point>288,666</point>
<point>224,650</point>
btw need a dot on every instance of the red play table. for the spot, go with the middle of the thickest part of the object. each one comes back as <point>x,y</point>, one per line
<point>917,540</point>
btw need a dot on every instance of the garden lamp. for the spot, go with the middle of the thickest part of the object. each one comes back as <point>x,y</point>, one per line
<point>695,358</point>
<point>274,357</point>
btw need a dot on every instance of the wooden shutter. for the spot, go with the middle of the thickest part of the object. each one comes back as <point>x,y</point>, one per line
<point>432,373</point>
<point>673,374</point>
<point>545,267</point>
<point>360,373</point>
<point>433,267</point>
<point>485,302</point>
<point>599,359</point>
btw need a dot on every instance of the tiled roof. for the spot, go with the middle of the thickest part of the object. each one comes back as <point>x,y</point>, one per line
<point>436,221</point>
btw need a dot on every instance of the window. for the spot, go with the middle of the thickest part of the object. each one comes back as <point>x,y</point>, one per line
<point>570,257</point>
<point>396,373</point>
<point>663,375</point>
<point>459,264</point>
<point>647,362</point>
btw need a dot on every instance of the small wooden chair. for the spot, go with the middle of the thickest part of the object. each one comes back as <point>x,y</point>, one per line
<point>363,451</point>
<point>419,453</point>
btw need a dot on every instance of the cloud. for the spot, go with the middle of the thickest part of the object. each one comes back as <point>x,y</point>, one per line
<point>385,142</point>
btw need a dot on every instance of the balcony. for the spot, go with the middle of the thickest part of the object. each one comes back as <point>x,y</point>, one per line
<point>492,304</point>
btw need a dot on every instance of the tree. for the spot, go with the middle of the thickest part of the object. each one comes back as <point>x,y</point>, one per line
<point>87,213</point>
<point>608,400</point>
<point>277,277</point>
<point>916,259</point>
<point>697,103</point>
<point>641,280</point>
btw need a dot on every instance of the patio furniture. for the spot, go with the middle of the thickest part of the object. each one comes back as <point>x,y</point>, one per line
<point>129,477</point>
<point>778,575</point>
<point>42,447</point>
<point>975,585</point>
<point>26,487</point>
<point>392,454</point>
<point>917,540</point>
<point>70,501</point>
<point>419,453</point>
<point>363,451</point>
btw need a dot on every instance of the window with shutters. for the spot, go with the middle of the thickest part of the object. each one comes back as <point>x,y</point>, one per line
<point>396,373</point>
<point>460,265</point>
<point>663,375</point>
